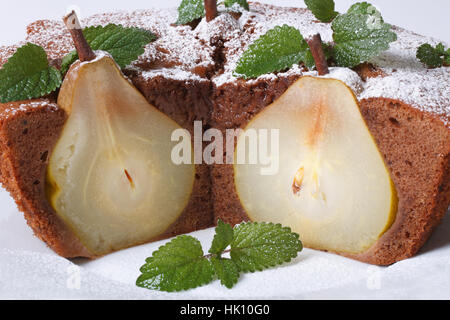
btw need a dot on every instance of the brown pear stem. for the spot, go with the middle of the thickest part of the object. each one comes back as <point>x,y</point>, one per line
<point>84,50</point>
<point>315,44</point>
<point>211,10</point>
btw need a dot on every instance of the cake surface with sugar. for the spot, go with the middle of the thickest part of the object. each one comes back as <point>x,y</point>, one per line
<point>188,73</point>
<point>175,53</point>
<point>406,78</point>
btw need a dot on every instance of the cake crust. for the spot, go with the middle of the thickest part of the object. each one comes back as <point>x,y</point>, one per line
<point>27,137</point>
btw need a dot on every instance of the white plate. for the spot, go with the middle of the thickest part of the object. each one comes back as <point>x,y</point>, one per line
<point>29,270</point>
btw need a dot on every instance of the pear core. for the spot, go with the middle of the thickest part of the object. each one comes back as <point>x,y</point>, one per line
<point>110,176</point>
<point>333,187</point>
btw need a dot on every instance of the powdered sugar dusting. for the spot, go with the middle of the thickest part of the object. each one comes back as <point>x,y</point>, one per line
<point>175,48</point>
<point>13,108</point>
<point>348,76</point>
<point>174,74</point>
<point>407,78</point>
<point>224,27</point>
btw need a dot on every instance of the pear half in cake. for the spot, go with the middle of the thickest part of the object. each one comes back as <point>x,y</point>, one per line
<point>110,177</point>
<point>333,186</point>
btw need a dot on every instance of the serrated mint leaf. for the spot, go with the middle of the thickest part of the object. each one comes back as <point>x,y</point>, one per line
<point>323,10</point>
<point>190,10</point>
<point>365,8</point>
<point>309,61</point>
<point>277,50</point>
<point>358,38</point>
<point>433,57</point>
<point>125,45</point>
<point>178,265</point>
<point>258,246</point>
<point>28,75</point>
<point>226,270</point>
<point>440,48</point>
<point>222,238</point>
<point>242,3</point>
<point>429,56</point>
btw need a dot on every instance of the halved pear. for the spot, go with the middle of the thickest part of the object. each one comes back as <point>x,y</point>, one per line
<point>332,187</point>
<point>110,176</point>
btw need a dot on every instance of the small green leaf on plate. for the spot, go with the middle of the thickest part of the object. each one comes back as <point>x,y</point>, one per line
<point>178,265</point>
<point>258,246</point>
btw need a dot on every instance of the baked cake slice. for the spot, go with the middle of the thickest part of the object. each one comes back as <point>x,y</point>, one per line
<point>188,74</point>
<point>172,74</point>
<point>405,105</point>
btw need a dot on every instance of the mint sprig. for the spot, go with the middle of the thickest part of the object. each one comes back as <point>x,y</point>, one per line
<point>27,75</point>
<point>433,57</point>
<point>276,50</point>
<point>124,44</point>
<point>181,264</point>
<point>323,10</point>
<point>359,37</point>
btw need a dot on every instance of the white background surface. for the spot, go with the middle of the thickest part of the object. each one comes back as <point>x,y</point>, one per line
<point>28,269</point>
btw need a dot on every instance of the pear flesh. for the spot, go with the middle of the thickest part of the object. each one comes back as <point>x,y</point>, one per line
<point>333,187</point>
<point>110,176</point>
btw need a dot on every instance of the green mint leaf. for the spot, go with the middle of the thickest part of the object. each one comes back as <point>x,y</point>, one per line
<point>178,265</point>
<point>242,3</point>
<point>125,45</point>
<point>222,238</point>
<point>28,75</point>
<point>190,10</point>
<point>447,60</point>
<point>365,8</point>
<point>258,246</point>
<point>323,10</point>
<point>68,60</point>
<point>359,37</point>
<point>429,56</point>
<point>440,49</point>
<point>226,270</point>
<point>277,50</point>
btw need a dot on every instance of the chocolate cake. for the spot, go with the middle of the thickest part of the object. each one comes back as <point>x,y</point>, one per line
<point>187,73</point>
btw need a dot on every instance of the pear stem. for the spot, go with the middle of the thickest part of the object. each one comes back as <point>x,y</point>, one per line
<point>210,9</point>
<point>85,52</point>
<point>315,44</point>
